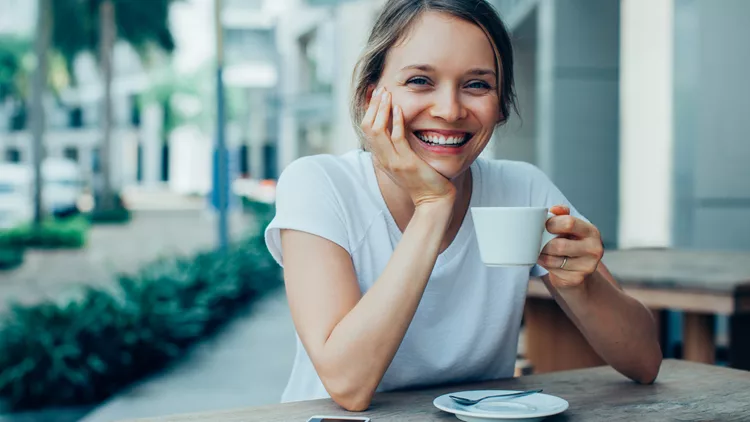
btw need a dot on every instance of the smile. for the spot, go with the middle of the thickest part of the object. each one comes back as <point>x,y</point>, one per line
<point>444,139</point>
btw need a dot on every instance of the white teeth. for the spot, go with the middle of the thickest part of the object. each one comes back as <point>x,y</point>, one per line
<point>440,140</point>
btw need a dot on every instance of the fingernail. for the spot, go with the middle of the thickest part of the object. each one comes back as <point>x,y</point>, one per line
<point>377,91</point>
<point>385,95</point>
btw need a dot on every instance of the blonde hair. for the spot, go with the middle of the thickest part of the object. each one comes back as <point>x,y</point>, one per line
<point>395,20</point>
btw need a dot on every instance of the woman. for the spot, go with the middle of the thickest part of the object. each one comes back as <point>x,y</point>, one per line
<point>382,271</point>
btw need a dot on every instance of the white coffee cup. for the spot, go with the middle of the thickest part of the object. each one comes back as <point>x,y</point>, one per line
<point>511,236</point>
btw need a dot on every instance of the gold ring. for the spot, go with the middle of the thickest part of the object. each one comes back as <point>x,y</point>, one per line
<point>565,261</point>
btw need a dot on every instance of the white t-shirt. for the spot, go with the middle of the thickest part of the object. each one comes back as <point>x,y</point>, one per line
<point>467,323</point>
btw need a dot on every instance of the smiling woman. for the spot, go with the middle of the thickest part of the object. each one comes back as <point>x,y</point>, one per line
<point>384,278</point>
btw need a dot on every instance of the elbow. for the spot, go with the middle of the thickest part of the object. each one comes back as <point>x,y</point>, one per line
<point>353,403</point>
<point>649,371</point>
<point>652,373</point>
<point>349,394</point>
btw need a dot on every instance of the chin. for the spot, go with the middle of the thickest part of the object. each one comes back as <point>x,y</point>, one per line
<point>448,170</point>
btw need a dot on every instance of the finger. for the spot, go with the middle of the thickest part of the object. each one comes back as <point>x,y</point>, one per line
<point>570,225</point>
<point>384,113</point>
<point>372,109</point>
<point>560,210</point>
<point>573,264</point>
<point>563,247</point>
<point>397,137</point>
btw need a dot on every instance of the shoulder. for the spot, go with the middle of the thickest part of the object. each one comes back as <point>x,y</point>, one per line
<point>316,176</point>
<point>305,168</point>
<point>320,171</point>
<point>511,171</point>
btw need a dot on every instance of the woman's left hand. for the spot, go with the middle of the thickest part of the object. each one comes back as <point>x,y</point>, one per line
<point>573,256</point>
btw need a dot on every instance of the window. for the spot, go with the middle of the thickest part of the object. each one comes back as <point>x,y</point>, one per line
<point>13,155</point>
<point>71,153</point>
<point>95,160</point>
<point>75,117</point>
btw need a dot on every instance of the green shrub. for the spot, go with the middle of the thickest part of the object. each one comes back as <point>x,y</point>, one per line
<point>262,210</point>
<point>10,257</point>
<point>53,233</point>
<point>87,349</point>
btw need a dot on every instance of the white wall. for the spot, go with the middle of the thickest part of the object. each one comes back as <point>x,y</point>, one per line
<point>577,105</point>
<point>516,140</point>
<point>712,203</point>
<point>152,120</point>
<point>190,163</point>
<point>646,131</point>
<point>296,21</point>
<point>353,23</point>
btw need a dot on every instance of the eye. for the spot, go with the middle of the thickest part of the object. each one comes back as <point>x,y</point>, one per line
<point>478,85</point>
<point>418,80</point>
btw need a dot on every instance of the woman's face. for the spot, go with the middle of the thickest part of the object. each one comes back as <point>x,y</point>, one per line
<point>443,77</point>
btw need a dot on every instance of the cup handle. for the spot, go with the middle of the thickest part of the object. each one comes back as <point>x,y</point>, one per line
<point>547,236</point>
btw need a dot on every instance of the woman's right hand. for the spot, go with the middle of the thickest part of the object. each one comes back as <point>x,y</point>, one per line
<point>394,155</point>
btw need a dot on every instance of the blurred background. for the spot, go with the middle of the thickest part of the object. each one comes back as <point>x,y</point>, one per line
<point>140,141</point>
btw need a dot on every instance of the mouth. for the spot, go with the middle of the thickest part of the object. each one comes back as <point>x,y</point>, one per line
<point>446,139</point>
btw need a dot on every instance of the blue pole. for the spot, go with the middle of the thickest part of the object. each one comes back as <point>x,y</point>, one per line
<point>222,181</point>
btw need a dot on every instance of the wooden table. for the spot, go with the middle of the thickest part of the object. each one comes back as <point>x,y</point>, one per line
<point>683,391</point>
<point>700,284</point>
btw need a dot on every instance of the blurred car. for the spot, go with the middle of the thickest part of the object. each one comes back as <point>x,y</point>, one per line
<point>16,206</point>
<point>61,193</point>
<point>63,186</point>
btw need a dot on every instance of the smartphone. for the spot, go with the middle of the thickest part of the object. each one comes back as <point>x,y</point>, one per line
<point>338,419</point>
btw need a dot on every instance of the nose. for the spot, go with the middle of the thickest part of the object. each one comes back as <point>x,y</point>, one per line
<point>448,106</point>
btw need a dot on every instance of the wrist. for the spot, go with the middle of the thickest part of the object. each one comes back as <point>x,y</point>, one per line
<point>577,292</point>
<point>436,209</point>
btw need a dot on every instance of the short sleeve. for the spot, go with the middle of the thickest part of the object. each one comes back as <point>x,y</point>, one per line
<point>307,201</point>
<point>544,193</point>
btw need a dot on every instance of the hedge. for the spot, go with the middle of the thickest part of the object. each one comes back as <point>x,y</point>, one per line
<point>10,257</point>
<point>51,234</point>
<point>87,349</point>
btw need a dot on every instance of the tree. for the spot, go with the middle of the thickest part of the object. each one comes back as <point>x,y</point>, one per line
<point>41,47</point>
<point>13,73</point>
<point>26,72</point>
<point>94,26</point>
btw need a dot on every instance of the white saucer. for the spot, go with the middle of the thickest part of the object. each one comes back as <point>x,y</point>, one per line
<point>523,409</point>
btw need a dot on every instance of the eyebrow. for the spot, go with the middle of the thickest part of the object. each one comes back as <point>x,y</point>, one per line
<point>428,68</point>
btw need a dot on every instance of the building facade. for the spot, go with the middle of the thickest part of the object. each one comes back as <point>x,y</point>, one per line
<point>632,107</point>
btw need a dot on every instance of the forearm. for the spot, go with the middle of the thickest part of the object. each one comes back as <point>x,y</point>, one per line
<point>362,345</point>
<point>619,328</point>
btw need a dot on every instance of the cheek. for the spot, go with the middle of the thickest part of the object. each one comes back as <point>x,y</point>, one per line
<point>411,104</point>
<point>486,110</point>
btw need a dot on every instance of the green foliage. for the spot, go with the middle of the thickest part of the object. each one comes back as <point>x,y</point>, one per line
<point>263,210</point>
<point>53,233</point>
<point>142,24</point>
<point>83,351</point>
<point>14,72</point>
<point>10,257</point>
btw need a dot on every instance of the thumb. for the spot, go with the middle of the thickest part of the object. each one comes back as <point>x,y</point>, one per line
<point>560,210</point>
